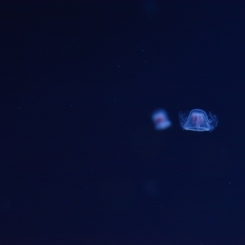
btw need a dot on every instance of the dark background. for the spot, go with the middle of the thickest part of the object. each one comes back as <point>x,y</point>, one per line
<point>81,162</point>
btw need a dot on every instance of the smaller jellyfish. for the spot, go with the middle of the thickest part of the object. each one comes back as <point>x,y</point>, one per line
<point>160,119</point>
<point>198,120</point>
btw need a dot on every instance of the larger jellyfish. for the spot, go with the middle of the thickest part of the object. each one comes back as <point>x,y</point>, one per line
<point>198,120</point>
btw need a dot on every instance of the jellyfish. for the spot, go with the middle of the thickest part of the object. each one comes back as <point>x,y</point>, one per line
<point>198,120</point>
<point>160,119</point>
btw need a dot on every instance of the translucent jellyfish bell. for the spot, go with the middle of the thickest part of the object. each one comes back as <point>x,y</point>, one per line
<point>198,120</point>
<point>160,119</point>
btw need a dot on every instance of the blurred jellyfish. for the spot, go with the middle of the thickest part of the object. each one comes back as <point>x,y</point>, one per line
<point>160,119</point>
<point>198,120</point>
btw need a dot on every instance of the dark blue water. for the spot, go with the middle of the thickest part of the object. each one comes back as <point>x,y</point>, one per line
<point>81,162</point>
